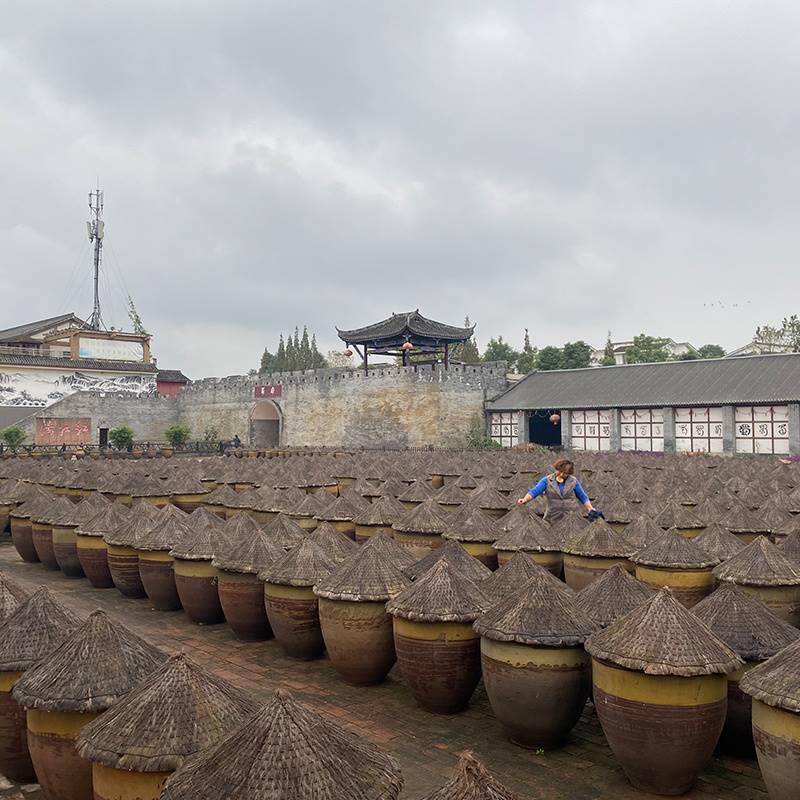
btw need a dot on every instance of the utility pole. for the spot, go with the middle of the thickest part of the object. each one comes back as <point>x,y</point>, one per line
<point>95,227</point>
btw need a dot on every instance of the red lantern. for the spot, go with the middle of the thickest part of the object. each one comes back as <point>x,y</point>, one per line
<point>347,353</point>
<point>555,418</point>
<point>408,346</point>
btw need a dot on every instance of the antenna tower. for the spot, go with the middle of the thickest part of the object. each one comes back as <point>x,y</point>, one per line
<point>95,228</point>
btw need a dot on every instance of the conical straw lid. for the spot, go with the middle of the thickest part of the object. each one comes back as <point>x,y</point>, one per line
<point>12,596</point>
<point>285,532</point>
<point>442,594</point>
<point>34,630</point>
<point>393,551</point>
<point>718,541</point>
<point>304,565</point>
<point>744,623</point>
<point>671,550</point>
<point>177,711</point>
<point>339,546</point>
<point>90,670</point>
<point>612,595</point>
<point>472,781</point>
<point>514,573</point>
<point>477,526</point>
<point>760,563</point>
<point>164,534</point>
<point>366,576</point>
<point>776,682</point>
<point>599,540</point>
<point>532,536</point>
<point>205,539</point>
<point>424,518</point>
<point>790,547</point>
<point>137,525</point>
<point>661,637</point>
<point>536,614</point>
<point>250,553</point>
<point>384,511</point>
<point>288,752</point>
<point>642,531</point>
<point>108,519</point>
<point>456,555</point>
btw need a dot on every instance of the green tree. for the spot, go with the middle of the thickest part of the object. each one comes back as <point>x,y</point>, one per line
<point>790,328</point>
<point>769,339</point>
<point>121,437</point>
<point>178,435</point>
<point>280,363</point>
<point>267,361</point>
<point>609,358</point>
<point>692,355</point>
<point>711,351</point>
<point>305,350</point>
<point>647,350</point>
<point>576,355</point>
<point>551,358</point>
<point>467,353</point>
<point>291,354</point>
<point>528,358</point>
<point>317,359</point>
<point>136,320</point>
<point>498,350</point>
<point>13,437</point>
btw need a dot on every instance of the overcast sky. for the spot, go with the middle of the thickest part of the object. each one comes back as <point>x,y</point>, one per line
<point>570,167</point>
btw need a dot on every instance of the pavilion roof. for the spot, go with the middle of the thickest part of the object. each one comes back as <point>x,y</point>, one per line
<point>407,326</point>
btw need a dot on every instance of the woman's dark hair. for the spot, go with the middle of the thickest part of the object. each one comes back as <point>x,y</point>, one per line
<point>564,465</point>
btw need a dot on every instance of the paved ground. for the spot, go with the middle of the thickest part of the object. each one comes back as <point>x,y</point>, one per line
<point>425,745</point>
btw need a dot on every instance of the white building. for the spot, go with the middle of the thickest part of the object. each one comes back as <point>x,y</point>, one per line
<point>675,349</point>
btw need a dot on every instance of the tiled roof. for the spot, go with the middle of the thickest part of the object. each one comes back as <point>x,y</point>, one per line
<point>408,323</point>
<point>21,332</point>
<point>72,364</point>
<point>705,382</point>
<point>171,376</point>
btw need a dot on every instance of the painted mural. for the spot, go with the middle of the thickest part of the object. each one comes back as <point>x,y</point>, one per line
<point>41,389</point>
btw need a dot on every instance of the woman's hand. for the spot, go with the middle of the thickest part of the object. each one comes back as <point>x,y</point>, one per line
<point>523,500</point>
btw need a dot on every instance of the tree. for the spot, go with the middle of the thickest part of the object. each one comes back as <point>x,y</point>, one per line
<point>576,355</point>
<point>711,351</point>
<point>178,435</point>
<point>692,355</point>
<point>317,359</point>
<point>647,350</point>
<point>550,358</point>
<point>121,437</point>
<point>280,362</point>
<point>467,353</point>
<point>498,350</point>
<point>13,437</point>
<point>475,436</point>
<point>305,350</point>
<point>609,358</point>
<point>291,354</point>
<point>790,329</point>
<point>267,362</point>
<point>136,320</point>
<point>527,360</point>
<point>769,339</point>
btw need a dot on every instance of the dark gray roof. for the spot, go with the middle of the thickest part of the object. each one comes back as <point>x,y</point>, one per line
<point>409,323</point>
<point>171,376</point>
<point>75,364</point>
<point>23,332</point>
<point>705,382</point>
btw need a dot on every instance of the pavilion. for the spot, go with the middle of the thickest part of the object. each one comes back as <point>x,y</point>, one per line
<point>402,334</point>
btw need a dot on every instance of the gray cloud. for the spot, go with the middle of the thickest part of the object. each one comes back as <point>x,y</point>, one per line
<point>569,167</point>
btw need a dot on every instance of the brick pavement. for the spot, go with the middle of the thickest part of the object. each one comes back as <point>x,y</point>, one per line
<point>424,744</point>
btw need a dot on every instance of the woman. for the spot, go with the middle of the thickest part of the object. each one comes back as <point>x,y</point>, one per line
<point>562,490</point>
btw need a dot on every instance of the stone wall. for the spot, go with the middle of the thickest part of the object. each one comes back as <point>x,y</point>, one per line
<point>392,406</point>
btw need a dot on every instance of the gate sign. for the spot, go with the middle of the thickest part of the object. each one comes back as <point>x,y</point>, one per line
<point>268,390</point>
<point>63,430</point>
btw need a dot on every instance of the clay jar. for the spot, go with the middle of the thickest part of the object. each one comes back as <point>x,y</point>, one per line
<point>65,550</point>
<point>352,609</point>
<point>92,549</point>
<point>420,529</point>
<point>593,551</point>
<point>292,606</point>
<point>438,652</point>
<point>196,583</point>
<point>15,760</point>
<point>22,536</point>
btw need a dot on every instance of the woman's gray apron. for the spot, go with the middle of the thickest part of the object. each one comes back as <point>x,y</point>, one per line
<point>559,504</point>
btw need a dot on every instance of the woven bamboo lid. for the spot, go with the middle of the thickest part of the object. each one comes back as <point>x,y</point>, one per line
<point>343,509</point>
<point>618,509</point>
<point>313,504</point>
<point>37,501</point>
<point>114,516</point>
<point>516,515</point>
<point>58,508</point>
<point>671,550</point>
<point>221,496</point>
<point>455,554</point>
<point>744,623</point>
<point>677,515</point>
<point>599,540</point>
<point>477,526</point>
<point>472,781</point>
<point>417,492</point>
<point>304,565</point>
<point>165,534</point>
<point>366,576</point>
<point>532,536</point>
<point>285,532</point>
<point>90,670</point>
<point>740,519</point>
<point>206,537</point>
<point>286,751</point>
<point>339,546</point>
<point>642,531</point>
<point>383,512</point>
<point>760,563</point>
<point>536,614</point>
<point>177,711</point>
<point>442,594</point>
<point>249,554</point>
<point>612,595</point>
<point>719,542</point>
<point>776,682</point>
<point>661,637</point>
<point>490,498</point>
<point>424,518</point>
<point>12,596</point>
<point>134,528</point>
<point>391,550</point>
<point>519,569</point>
<point>790,547</point>
<point>451,495</point>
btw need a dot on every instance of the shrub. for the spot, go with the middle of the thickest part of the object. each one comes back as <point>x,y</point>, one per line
<point>121,437</point>
<point>210,435</point>
<point>178,435</point>
<point>13,437</point>
<point>476,438</point>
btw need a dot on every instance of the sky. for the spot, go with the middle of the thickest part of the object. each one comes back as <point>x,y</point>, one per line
<point>568,167</point>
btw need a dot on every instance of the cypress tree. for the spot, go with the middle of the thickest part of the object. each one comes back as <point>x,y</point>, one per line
<point>305,351</point>
<point>280,356</point>
<point>609,359</point>
<point>267,361</point>
<point>468,352</point>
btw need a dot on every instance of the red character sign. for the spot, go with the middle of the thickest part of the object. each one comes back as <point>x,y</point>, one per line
<point>63,430</point>
<point>268,390</point>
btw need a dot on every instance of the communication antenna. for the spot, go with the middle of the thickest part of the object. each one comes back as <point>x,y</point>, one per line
<point>95,228</point>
